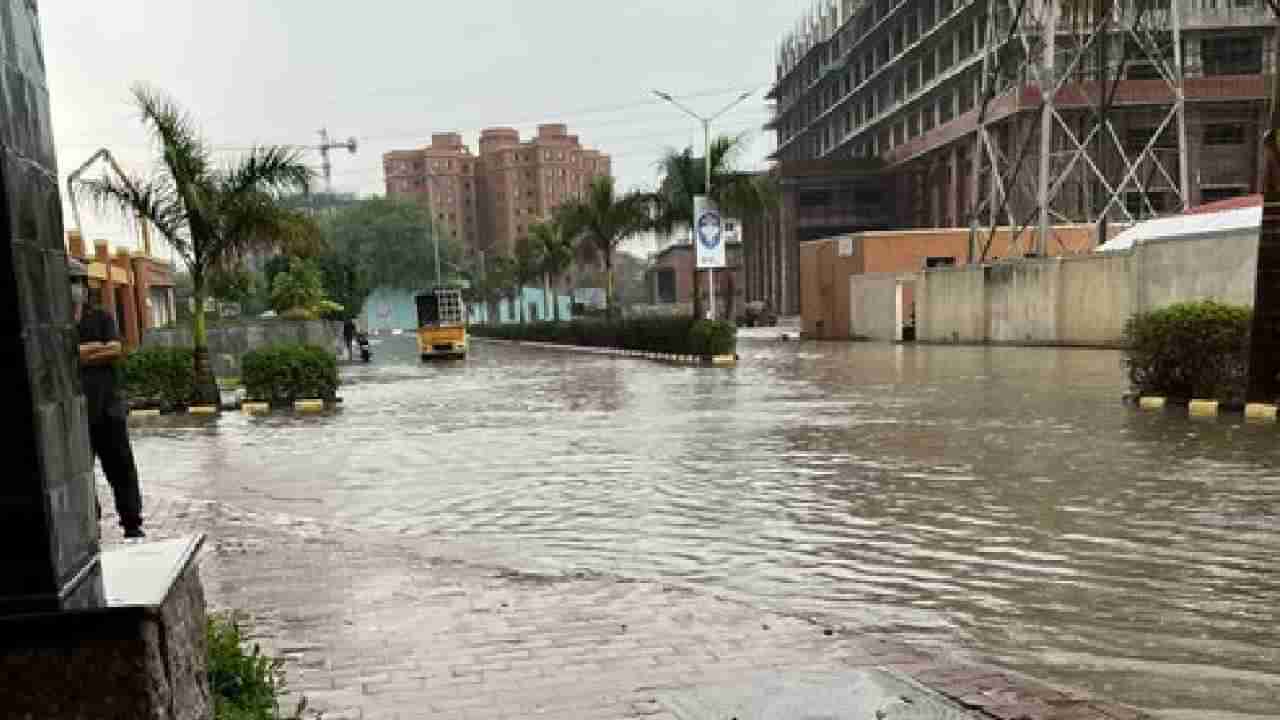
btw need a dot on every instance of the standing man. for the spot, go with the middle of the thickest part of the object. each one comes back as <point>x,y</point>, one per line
<point>349,334</point>
<point>100,350</point>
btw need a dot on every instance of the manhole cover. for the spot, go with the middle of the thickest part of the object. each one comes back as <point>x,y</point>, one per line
<point>872,694</point>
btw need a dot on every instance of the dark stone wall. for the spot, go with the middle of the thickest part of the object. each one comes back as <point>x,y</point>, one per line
<point>46,494</point>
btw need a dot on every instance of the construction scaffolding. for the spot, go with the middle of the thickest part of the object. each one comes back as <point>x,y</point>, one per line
<point>1048,149</point>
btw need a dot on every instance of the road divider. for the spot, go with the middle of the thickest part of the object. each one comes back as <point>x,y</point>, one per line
<point>721,361</point>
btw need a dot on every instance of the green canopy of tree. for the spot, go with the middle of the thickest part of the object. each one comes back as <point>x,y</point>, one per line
<point>210,214</point>
<point>391,243</point>
<point>557,252</point>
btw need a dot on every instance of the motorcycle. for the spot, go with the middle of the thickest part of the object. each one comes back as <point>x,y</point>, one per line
<point>362,340</point>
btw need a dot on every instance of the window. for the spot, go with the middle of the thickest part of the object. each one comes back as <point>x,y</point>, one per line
<point>913,78</point>
<point>964,41</point>
<point>1136,139</point>
<point>899,133</point>
<point>1232,55</point>
<point>927,118</point>
<point>1214,194</point>
<point>945,7</point>
<point>913,125</point>
<point>927,69</point>
<point>912,29</point>
<point>1224,134</point>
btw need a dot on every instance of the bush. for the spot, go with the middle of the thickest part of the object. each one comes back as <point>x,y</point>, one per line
<point>160,377</point>
<point>1189,350</point>
<point>285,373</point>
<point>671,335</point>
<point>245,684</point>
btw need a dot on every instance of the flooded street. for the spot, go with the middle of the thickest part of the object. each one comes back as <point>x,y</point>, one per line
<point>997,500</point>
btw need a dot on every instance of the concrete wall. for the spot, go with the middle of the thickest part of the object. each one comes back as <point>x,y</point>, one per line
<point>951,305</point>
<point>873,305</point>
<point>1083,300</point>
<point>228,343</point>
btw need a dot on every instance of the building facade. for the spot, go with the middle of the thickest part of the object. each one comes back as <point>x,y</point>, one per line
<point>488,201</point>
<point>135,289</point>
<point>931,90</point>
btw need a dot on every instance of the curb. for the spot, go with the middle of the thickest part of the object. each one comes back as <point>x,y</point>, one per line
<point>255,408</point>
<point>308,406</point>
<point>722,361</point>
<point>149,413</point>
<point>1211,408</point>
<point>203,410</point>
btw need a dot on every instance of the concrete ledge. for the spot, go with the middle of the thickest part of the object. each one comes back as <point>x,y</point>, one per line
<point>202,410</point>
<point>255,408</point>
<point>1260,411</point>
<point>308,406</point>
<point>1203,408</point>
<point>1151,403</point>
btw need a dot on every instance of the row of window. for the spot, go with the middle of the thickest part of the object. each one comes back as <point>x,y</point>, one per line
<point>1240,54</point>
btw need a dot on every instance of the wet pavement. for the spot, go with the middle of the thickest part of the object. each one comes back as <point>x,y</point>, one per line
<point>995,502</point>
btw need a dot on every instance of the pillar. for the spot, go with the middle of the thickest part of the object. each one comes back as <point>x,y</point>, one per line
<point>141,273</point>
<point>128,324</point>
<point>102,256</point>
<point>46,498</point>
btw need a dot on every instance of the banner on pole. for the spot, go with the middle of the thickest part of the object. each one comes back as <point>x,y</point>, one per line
<point>708,233</point>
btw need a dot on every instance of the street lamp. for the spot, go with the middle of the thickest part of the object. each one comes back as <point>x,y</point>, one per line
<point>706,164</point>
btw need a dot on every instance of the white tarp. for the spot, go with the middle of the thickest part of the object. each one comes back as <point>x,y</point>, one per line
<point>1186,226</point>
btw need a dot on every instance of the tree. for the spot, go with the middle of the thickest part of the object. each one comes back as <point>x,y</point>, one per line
<point>602,220</point>
<point>736,193</point>
<point>344,282</point>
<point>527,266</point>
<point>392,242</point>
<point>300,291</point>
<point>557,257</point>
<point>209,215</point>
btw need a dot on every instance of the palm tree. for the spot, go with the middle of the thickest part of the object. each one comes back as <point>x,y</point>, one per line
<point>210,215</point>
<point>741,194</point>
<point>557,248</point>
<point>603,219</point>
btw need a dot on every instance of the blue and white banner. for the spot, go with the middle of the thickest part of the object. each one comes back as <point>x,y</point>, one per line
<point>708,233</point>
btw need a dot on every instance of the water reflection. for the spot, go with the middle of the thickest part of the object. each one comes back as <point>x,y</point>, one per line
<point>999,499</point>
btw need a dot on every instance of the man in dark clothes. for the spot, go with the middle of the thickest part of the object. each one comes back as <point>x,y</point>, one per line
<point>349,334</point>
<point>100,350</point>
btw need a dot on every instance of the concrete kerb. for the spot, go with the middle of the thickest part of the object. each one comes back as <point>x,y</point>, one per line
<point>722,361</point>
<point>1201,408</point>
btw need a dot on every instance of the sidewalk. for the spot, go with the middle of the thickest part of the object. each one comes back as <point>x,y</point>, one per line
<point>373,626</point>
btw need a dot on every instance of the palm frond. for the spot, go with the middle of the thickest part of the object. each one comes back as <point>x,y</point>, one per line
<point>275,169</point>
<point>153,201</point>
<point>183,151</point>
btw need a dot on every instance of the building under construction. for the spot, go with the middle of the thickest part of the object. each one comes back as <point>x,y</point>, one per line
<point>1021,113</point>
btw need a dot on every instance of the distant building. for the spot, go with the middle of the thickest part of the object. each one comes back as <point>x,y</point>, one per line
<point>490,200</point>
<point>670,280</point>
<point>135,289</point>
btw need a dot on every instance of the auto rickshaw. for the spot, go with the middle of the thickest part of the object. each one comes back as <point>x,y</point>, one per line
<point>442,324</point>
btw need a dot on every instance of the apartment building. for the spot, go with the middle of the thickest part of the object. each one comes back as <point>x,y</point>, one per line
<point>490,200</point>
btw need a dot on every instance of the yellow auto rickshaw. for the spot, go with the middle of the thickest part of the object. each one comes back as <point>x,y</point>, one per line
<point>442,324</point>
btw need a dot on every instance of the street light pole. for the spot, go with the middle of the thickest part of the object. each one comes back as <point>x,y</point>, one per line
<point>706,165</point>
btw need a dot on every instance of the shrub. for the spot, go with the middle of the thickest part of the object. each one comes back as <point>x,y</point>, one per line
<point>1189,350</point>
<point>245,684</point>
<point>285,373</point>
<point>672,335</point>
<point>160,376</point>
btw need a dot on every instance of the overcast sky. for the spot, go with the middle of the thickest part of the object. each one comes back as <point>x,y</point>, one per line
<point>390,72</point>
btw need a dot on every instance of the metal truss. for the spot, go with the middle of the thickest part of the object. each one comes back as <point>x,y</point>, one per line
<point>1046,148</point>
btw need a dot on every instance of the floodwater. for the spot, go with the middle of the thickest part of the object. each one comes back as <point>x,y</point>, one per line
<point>997,501</point>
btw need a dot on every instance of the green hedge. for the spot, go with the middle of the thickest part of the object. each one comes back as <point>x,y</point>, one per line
<point>672,335</point>
<point>285,373</point>
<point>160,377</point>
<point>1189,350</point>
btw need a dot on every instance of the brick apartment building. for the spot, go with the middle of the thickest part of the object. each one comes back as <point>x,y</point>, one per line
<point>490,200</point>
<point>896,86</point>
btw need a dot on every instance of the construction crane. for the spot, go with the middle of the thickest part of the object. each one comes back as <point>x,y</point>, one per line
<point>324,147</point>
<point>102,154</point>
